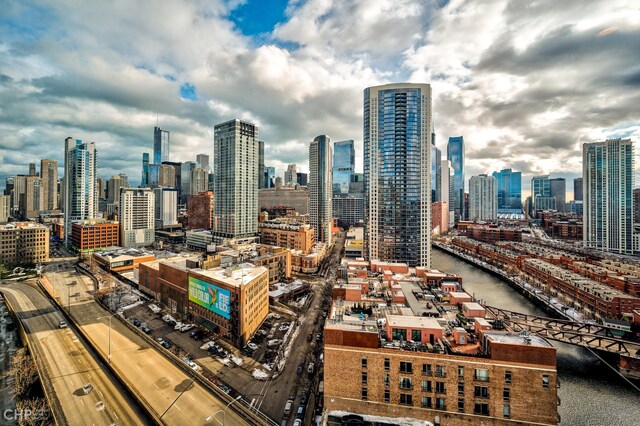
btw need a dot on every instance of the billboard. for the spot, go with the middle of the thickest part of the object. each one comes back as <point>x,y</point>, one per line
<point>211,297</point>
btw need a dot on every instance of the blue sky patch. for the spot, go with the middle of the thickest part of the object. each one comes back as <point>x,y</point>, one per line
<point>188,92</point>
<point>255,17</point>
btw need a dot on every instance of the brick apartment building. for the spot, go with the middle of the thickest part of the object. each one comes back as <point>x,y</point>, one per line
<point>296,236</point>
<point>89,235</point>
<point>492,234</point>
<point>200,211</point>
<point>23,242</point>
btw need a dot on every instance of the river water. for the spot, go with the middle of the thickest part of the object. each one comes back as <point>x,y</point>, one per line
<point>8,343</point>
<point>592,394</point>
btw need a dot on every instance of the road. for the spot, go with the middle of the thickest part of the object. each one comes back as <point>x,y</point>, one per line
<point>69,364</point>
<point>166,389</point>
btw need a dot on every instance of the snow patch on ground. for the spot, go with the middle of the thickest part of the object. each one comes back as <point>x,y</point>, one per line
<point>259,374</point>
<point>236,360</point>
<point>291,339</point>
<point>400,421</point>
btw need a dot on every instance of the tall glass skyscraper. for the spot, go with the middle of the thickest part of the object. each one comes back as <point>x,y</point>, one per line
<point>455,154</point>
<point>145,170</point>
<point>397,173</point>
<point>509,191</point>
<point>80,194</point>
<point>344,163</point>
<point>558,188</point>
<point>608,173</point>
<point>320,188</point>
<point>436,171</point>
<point>160,145</point>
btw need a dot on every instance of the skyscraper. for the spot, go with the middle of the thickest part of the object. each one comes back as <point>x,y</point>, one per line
<point>5,205</point>
<point>320,188</point>
<point>577,189</point>
<point>80,195</point>
<point>145,170</point>
<point>236,158</point>
<point>290,175</point>
<point>483,198</point>
<point>269,177</point>
<point>49,175</point>
<point>28,198</point>
<point>509,190</point>
<point>261,181</point>
<point>608,173</point>
<point>167,176</point>
<point>397,160</point>
<point>344,163</point>
<point>202,161</point>
<point>436,171</point>
<point>541,193</point>
<point>137,217</point>
<point>303,178</point>
<point>113,189</point>
<point>160,145</point>
<point>446,186</point>
<point>455,154</point>
<point>199,181</point>
<point>32,169</point>
<point>558,190</point>
<point>166,207</point>
<point>125,179</point>
<point>100,188</point>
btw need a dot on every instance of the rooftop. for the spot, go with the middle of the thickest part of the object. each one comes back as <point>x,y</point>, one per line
<point>412,321</point>
<point>235,276</point>
<point>516,338</point>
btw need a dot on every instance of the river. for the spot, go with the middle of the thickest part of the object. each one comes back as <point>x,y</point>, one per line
<point>8,342</point>
<point>592,394</point>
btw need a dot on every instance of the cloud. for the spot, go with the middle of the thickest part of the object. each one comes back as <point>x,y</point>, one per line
<point>526,83</point>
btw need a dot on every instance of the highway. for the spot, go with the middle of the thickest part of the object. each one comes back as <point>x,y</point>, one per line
<point>69,365</point>
<point>166,389</point>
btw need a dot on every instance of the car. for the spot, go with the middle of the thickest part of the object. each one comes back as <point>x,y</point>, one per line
<point>160,340</point>
<point>274,342</point>
<point>87,388</point>
<point>252,346</point>
<point>284,327</point>
<point>319,336</point>
<point>187,327</point>
<point>197,335</point>
<point>207,345</point>
<point>145,329</point>
<point>310,368</point>
<point>136,322</point>
<point>62,324</point>
<point>246,351</point>
<point>288,407</point>
<point>297,422</point>
<point>167,344</point>
<point>154,308</point>
<point>303,398</point>
<point>300,368</point>
<point>213,351</point>
<point>300,412</point>
<point>178,325</point>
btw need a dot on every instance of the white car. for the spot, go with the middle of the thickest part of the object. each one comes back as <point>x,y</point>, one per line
<point>207,345</point>
<point>252,346</point>
<point>178,325</point>
<point>284,327</point>
<point>187,327</point>
<point>274,342</point>
<point>155,309</point>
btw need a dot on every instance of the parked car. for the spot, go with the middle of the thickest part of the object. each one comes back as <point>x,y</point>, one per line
<point>246,351</point>
<point>187,327</point>
<point>252,346</point>
<point>154,308</point>
<point>288,407</point>
<point>274,342</point>
<point>136,322</point>
<point>300,368</point>
<point>167,344</point>
<point>145,329</point>
<point>178,326</point>
<point>319,336</point>
<point>207,345</point>
<point>62,324</point>
<point>160,340</point>
<point>284,327</point>
<point>303,398</point>
<point>297,422</point>
<point>197,335</point>
<point>310,368</point>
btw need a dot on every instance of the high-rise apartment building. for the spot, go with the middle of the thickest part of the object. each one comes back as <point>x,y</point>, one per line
<point>558,190</point>
<point>113,189</point>
<point>455,154</point>
<point>608,173</point>
<point>23,243</point>
<point>167,176</point>
<point>145,170</point>
<point>28,197</point>
<point>541,193</point>
<point>80,194</point>
<point>160,145</point>
<point>269,177</point>
<point>187,169</point>
<point>303,178</point>
<point>436,171</point>
<point>32,169</point>
<point>236,152</point>
<point>5,206</point>
<point>397,160</point>
<point>100,189</point>
<point>446,187</point>
<point>49,176</point>
<point>166,207</point>
<point>344,164</point>
<point>137,217</point>
<point>320,188</point>
<point>509,190</point>
<point>202,160</point>
<point>577,189</point>
<point>290,175</point>
<point>199,180</point>
<point>483,198</point>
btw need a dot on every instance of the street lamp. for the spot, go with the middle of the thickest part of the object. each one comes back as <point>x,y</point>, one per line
<point>110,318</point>
<point>224,412</point>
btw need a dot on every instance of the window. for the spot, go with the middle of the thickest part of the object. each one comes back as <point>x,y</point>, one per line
<point>440,371</point>
<point>506,393</point>
<point>506,411</point>
<point>440,405</point>
<point>406,367</point>
<point>386,380</point>
<point>387,364</point>
<point>364,362</point>
<point>406,399</point>
<point>364,378</point>
<point>364,394</point>
<point>440,387</point>
<point>426,402</point>
<point>406,383</point>
<point>481,408</point>
<point>481,392</point>
<point>507,377</point>
<point>387,395</point>
<point>545,381</point>
<point>416,335</point>
<point>426,386</point>
<point>461,405</point>
<point>481,375</point>
<point>399,334</point>
<point>426,369</point>
<point>460,372</point>
<point>460,388</point>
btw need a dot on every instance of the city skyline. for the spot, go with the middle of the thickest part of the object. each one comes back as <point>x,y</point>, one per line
<point>503,102</point>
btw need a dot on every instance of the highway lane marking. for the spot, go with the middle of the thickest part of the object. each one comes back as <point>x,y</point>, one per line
<point>191,396</point>
<point>82,402</point>
<point>114,413</point>
<point>176,405</point>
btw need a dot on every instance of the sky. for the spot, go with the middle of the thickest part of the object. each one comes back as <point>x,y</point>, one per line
<point>525,82</point>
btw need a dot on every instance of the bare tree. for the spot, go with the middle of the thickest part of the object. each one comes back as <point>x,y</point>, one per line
<point>23,371</point>
<point>34,412</point>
